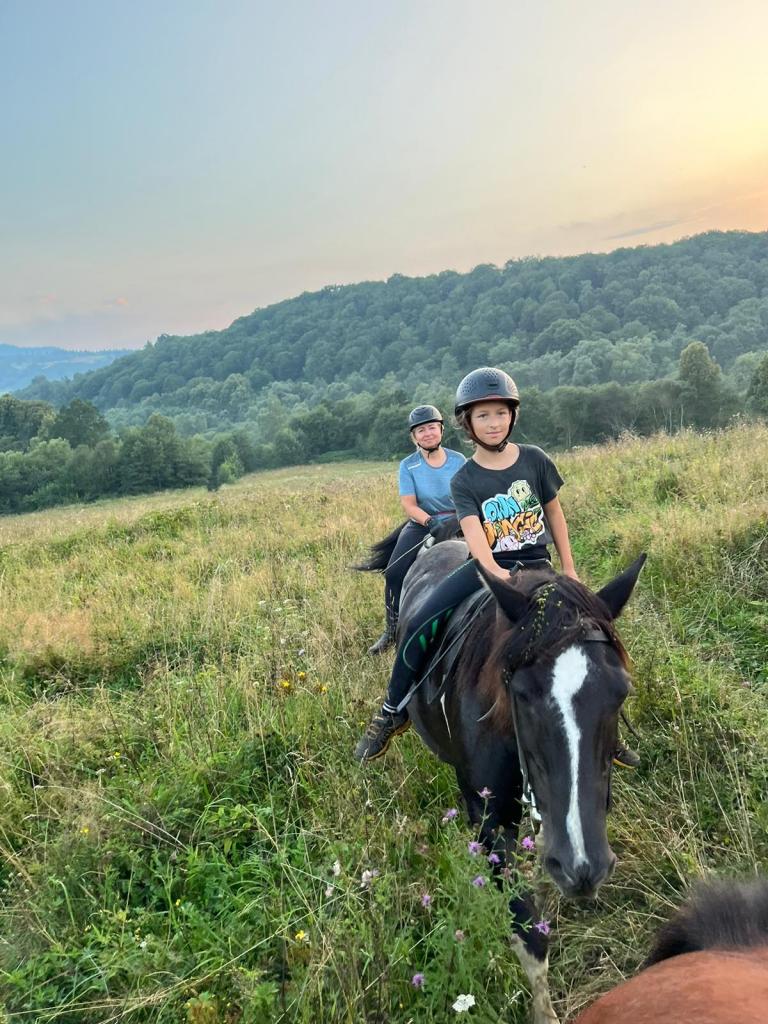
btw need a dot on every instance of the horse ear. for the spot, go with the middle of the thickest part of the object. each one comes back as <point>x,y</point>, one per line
<point>513,603</point>
<point>616,593</point>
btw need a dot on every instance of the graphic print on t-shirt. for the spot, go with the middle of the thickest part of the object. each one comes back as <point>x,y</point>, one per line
<point>513,520</point>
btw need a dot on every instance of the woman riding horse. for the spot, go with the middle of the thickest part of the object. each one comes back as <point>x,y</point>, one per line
<point>425,494</point>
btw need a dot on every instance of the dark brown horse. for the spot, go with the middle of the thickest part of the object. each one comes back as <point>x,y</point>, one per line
<point>709,965</point>
<point>522,698</point>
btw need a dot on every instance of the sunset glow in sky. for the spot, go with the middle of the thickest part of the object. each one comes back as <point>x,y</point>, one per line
<point>170,166</point>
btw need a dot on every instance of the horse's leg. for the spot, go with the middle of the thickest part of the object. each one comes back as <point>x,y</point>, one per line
<point>530,945</point>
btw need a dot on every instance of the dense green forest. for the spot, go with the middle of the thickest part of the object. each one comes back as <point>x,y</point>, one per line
<point>48,457</point>
<point>622,317</point>
<point>638,340</point>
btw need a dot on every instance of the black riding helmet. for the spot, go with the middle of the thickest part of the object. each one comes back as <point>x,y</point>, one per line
<point>486,384</point>
<point>425,414</point>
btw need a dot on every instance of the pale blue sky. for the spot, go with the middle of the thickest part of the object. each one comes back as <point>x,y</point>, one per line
<point>169,166</point>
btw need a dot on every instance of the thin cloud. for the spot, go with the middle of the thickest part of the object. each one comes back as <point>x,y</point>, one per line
<point>658,225</point>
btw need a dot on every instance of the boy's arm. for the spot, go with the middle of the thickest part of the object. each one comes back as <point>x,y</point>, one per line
<point>559,530</point>
<point>474,535</point>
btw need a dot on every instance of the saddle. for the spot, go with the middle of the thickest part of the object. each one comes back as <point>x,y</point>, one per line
<point>450,647</point>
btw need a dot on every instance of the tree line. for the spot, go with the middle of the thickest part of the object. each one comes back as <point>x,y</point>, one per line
<point>619,318</point>
<point>49,457</point>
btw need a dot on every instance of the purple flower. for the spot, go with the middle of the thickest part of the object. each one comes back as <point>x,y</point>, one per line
<point>494,858</point>
<point>480,881</point>
<point>459,935</point>
<point>474,847</point>
<point>450,814</point>
<point>485,793</point>
<point>418,980</point>
<point>543,927</point>
<point>528,843</point>
<point>426,899</point>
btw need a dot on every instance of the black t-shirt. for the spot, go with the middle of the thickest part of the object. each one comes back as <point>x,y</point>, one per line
<point>509,501</point>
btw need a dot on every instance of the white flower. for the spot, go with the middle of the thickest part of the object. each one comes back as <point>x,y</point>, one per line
<point>464,1002</point>
<point>336,869</point>
<point>328,891</point>
<point>367,877</point>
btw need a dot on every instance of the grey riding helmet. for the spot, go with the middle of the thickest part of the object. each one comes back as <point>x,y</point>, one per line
<point>424,414</point>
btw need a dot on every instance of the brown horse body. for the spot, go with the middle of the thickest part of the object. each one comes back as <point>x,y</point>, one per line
<point>710,965</point>
<point>712,987</point>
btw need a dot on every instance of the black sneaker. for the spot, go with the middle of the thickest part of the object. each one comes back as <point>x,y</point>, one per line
<point>626,758</point>
<point>380,733</point>
<point>385,641</point>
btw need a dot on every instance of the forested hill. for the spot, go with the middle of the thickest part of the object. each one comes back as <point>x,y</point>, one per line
<point>584,320</point>
<point>19,366</point>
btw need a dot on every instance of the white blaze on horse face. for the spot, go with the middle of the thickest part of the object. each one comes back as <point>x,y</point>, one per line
<point>568,675</point>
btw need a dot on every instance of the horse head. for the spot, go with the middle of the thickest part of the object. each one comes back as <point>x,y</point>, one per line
<point>566,679</point>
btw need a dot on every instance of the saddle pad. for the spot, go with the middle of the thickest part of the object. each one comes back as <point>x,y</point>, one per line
<point>451,644</point>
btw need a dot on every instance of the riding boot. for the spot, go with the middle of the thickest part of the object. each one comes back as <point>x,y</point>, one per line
<point>626,758</point>
<point>387,638</point>
<point>383,728</point>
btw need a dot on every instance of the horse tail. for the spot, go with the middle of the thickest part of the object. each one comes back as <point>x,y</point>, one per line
<point>381,552</point>
<point>719,915</point>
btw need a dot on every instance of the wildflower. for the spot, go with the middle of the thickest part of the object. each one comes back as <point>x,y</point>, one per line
<point>367,877</point>
<point>177,903</point>
<point>485,793</point>
<point>301,676</point>
<point>494,858</point>
<point>323,688</point>
<point>285,684</point>
<point>528,843</point>
<point>301,936</point>
<point>474,847</point>
<point>450,814</point>
<point>464,1002</point>
<point>479,882</point>
<point>543,927</point>
<point>84,830</point>
<point>301,652</point>
<point>336,869</point>
<point>418,980</point>
<point>459,935</point>
<point>426,899</point>
<point>143,944</point>
<point>328,891</point>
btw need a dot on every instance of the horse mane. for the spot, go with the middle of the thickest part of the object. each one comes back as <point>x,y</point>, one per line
<point>381,552</point>
<point>726,914</point>
<point>557,610</point>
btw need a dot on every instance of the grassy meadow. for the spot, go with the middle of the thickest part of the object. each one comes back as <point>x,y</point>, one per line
<point>183,834</point>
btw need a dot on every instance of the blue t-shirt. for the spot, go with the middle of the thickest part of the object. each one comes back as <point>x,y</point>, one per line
<point>430,484</point>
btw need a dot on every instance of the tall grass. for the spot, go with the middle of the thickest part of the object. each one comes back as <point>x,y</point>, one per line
<point>183,833</point>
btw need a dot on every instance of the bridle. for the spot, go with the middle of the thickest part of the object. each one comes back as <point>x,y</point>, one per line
<point>590,633</point>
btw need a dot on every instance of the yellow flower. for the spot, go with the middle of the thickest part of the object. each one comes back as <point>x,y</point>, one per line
<point>177,903</point>
<point>285,684</point>
<point>301,936</point>
<point>84,830</point>
<point>323,689</point>
<point>301,676</point>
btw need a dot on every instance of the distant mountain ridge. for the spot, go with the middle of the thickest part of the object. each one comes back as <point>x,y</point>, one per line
<point>19,365</point>
<point>622,317</point>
